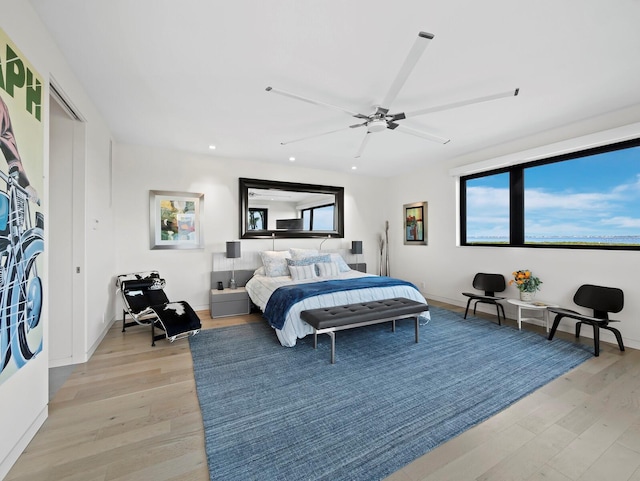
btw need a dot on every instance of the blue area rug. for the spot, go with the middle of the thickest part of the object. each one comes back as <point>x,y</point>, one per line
<point>274,413</point>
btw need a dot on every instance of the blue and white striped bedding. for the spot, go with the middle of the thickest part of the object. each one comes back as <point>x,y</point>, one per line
<point>261,287</point>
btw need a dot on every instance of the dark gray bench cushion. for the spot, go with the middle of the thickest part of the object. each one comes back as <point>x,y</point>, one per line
<point>339,316</point>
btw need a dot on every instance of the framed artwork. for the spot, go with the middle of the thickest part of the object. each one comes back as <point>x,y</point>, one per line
<point>22,236</point>
<point>415,223</point>
<point>175,220</point>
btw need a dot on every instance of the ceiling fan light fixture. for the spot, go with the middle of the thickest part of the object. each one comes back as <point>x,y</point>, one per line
<point>377,125</point>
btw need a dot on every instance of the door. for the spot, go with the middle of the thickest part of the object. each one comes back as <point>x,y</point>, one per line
<point>65,226</point>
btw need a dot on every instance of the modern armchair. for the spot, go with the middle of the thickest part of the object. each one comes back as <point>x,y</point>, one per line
<point>489,284</point>
<point>602,300</point>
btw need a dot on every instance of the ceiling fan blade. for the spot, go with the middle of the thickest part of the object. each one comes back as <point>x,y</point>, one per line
<point>362,145</point>
<point>424,135</point>
<point>355,126</point>
<point>313,136</point>
<point>462,103</point>
<point>394,117</point>
<point>414,55</point>
<point>316,102</point>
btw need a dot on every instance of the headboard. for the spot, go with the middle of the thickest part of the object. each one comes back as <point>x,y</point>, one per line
<point>242,276</point>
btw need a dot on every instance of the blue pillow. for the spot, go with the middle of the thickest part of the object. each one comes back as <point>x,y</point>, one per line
<point>307,261</point>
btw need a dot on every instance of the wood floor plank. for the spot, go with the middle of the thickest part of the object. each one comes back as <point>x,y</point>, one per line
<point>616,464</point>
<point>164,460</point>
<point>581,454</point>
<point>525,461</point>
<point>546,473</point>
<point>479,460</point>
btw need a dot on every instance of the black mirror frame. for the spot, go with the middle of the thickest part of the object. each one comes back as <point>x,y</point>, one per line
<point>246,184</point>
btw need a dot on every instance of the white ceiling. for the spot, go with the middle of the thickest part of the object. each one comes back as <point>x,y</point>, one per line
<point>189,73</point>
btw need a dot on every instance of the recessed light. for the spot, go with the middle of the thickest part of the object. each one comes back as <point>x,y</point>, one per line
<point>292,159</point>
<point>354,168</point>
<point>212,147</point>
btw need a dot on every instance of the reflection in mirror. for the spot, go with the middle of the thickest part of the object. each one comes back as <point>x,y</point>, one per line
<point>258,218</point>
<point>286,209</point>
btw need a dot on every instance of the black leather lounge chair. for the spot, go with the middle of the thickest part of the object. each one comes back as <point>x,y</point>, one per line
<point>147,304</point>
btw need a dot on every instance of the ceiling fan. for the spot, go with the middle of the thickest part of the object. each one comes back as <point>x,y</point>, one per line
<point>380,119</point>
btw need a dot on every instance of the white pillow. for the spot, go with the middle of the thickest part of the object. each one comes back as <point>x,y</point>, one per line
<point>260,271</point>
<point>275,263</point>
<point>328,269</point>
<point>300,273</point>
<point>342,265</point>
<point>302,253</point>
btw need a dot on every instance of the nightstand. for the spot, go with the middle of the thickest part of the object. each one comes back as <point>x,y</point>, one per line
<point>229,302</point>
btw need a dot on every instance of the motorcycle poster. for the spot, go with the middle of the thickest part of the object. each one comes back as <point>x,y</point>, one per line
<point>21,217</point>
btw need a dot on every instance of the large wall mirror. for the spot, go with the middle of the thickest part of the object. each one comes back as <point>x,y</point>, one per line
<point>287,209</point>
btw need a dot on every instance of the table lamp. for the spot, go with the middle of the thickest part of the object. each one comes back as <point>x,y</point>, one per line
<point>356,248</point>
<point>233,252</point>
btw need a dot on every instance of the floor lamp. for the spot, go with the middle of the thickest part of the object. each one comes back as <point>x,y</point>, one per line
<point>356,248</point>
<point>233,252</point>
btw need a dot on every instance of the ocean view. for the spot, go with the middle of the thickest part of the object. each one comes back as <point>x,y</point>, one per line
<point>596,240</point>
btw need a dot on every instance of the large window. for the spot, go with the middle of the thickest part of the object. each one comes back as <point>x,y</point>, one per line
<point>588,199</point>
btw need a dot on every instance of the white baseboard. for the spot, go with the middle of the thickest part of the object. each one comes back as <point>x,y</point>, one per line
<point>95,345</point>
<point>11,458</point>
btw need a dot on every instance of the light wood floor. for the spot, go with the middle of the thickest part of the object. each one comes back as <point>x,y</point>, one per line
<point>131,413</point>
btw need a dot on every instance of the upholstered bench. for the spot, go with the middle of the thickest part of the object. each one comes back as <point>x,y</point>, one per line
<point>327,320</point>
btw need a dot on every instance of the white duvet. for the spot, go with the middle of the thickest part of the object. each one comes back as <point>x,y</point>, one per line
<point>261,287</point>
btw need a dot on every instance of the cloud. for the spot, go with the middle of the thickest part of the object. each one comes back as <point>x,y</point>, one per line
<point>621,221</point>
<point>632,188</point>
<point>538,199</point>
<point>482,197</point>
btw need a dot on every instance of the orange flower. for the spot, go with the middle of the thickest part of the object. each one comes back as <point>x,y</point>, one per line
<point>525,280</point>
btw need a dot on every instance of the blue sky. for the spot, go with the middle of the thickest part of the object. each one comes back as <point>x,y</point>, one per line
<point>596,195</point>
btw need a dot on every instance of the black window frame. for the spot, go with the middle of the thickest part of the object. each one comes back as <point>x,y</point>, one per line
<point>516,200</point>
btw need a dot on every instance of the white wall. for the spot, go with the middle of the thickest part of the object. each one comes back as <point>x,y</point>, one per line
<point>447,270</point>
<point>138,170</point>
<point>23,397</point>
<point>279,210</point>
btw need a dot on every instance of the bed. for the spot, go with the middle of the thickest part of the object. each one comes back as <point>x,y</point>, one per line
<point>313,281</point>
